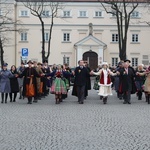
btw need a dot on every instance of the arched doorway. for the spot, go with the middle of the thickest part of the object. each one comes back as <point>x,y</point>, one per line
<point>91,58</point>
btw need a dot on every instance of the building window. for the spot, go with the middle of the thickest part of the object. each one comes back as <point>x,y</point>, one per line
<point>0,12</point>
<point>134,62</point>
<point>145,60</point>
<point>66,14</point>
<point>114,61</point>
<point>98,14</point>
<point>24,36</point>
<point>45,13</point>
<point>24,13</point>
<point>113,14</point>
<point>114,37</point>
<point>135,14</point>
<point>46,36</point>
<point>66,60</point>
<point>66,37</point>
<point>135,38</point>
<point>82,13</point>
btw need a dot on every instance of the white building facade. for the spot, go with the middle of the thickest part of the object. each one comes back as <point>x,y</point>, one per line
<point>83,30</point>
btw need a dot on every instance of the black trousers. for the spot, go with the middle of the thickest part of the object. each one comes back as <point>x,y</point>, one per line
<point>127,96</point>
<point>81,93</point>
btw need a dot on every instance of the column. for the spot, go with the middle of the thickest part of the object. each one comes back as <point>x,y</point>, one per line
<point>100,55</point>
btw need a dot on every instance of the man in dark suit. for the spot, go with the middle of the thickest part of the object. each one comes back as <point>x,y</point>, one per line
<point>126,86</point>
<point>81,74</point>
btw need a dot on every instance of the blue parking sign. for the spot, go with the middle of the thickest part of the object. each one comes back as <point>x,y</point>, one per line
<point>25,52</point>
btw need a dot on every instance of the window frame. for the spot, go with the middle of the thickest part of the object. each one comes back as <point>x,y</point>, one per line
<point>135,61</point>
<point>116,38</point>
<point>1,12</point>
<point>24,13</point>
<point>134,14</point>
<point>66,60</point>
<point>66,16</point>
<point>99,16</point>
<point>46,36</point>
<point>66,39</point>
<point>83,16</point>
<point>135,38</point>
<point>45,15</point>
<point>114,61</point>
<point>24,37</point>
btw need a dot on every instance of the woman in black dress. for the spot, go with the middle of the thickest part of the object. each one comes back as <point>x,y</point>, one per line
<point>13,84</point>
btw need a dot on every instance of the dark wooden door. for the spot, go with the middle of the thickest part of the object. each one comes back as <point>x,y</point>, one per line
<point>91,58</point>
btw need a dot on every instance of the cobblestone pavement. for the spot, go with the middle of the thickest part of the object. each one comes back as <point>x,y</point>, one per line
<point>72,126</point>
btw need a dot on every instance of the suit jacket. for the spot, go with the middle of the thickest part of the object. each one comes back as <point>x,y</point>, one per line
<point>81,76</point>
<point>127,81</point>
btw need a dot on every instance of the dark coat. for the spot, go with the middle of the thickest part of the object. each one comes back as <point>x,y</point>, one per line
<point>14,83</point>
<point>80,79</point>
<point>27,73</point>
<point>88,79</point>
<point>127,82</point>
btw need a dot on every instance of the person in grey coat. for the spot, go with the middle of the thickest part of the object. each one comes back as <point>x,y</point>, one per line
<point>5,82</point>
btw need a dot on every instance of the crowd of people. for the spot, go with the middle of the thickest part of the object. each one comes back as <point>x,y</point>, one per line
<point>35,81</point>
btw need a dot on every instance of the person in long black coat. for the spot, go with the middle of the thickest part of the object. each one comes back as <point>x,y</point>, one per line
<point>127,81</point>
<point>29,73</point>
<point>88,80</point>
<point>81,75</point>
<point>13,84</point>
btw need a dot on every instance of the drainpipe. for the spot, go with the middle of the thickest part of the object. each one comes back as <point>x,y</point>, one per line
<point>15,27</point>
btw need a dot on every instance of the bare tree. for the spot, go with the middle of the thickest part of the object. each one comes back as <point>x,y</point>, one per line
<point>122,11</point>
<point>39,9</point>
<point>7,24</point>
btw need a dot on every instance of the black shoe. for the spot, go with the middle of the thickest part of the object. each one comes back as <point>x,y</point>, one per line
<point>129,102</point>
<point>14,100</point>
<point>81,102</point>
<point>35,101</point>
<point>124,102</point>
<point>2,102</point>
<point>101,97</point>
<point>10,100</point>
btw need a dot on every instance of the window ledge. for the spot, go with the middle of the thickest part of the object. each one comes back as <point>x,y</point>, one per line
<point>65,42</point>
<point>24,16</point>
<point>23,41</point>
<point>98,17</point>
<point>82,17</point>
<point>45,41</point>
<point>135,43</point>
<point>135,17</point>
<point>66,17</point>
<point>113,42</point>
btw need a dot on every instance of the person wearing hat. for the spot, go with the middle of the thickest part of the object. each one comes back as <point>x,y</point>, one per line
<point>105,81</point>
<point>39,82</point>
<point>29,83</point>
<point>20,80</point>
<point>5,88</point>
<point>127,83</point>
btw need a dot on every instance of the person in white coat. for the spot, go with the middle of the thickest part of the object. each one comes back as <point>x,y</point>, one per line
<point>105,81</point>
